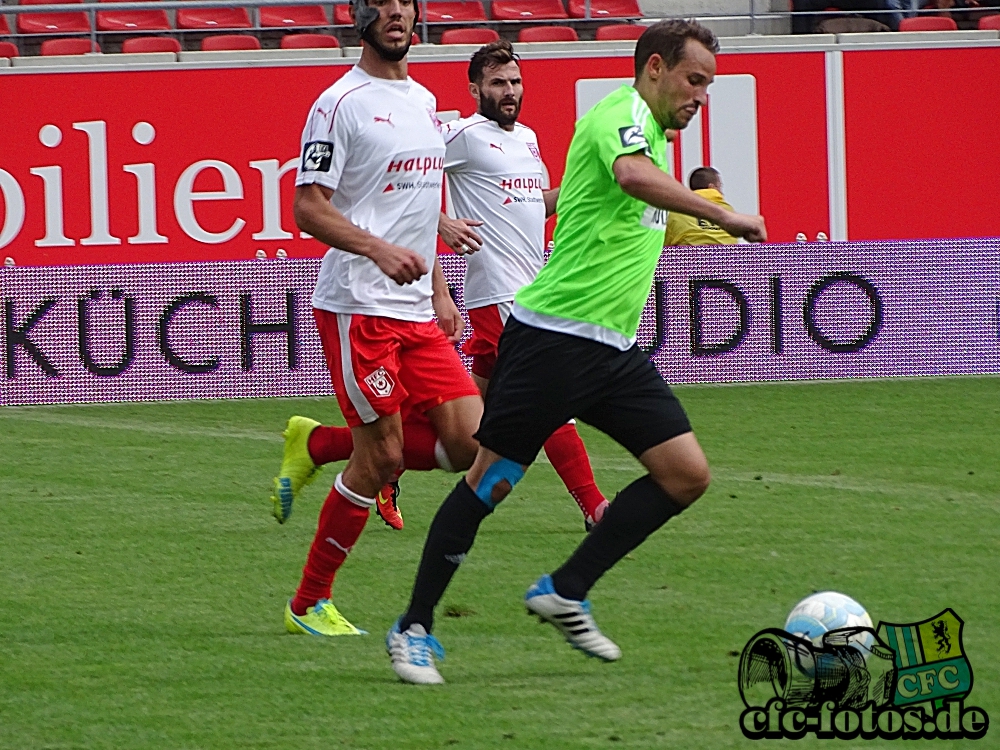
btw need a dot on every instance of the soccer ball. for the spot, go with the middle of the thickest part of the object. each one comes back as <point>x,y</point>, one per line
<point>823,611</point>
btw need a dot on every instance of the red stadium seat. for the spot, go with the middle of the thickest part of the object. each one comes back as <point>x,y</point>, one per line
<point>293,15</point>
<point>527,10</point>
<point>342,15</point>
<point>548,34</point>
<point>619,31</point>
<point>227,42</point>
<point>150,44</point>
<point>4,28</point>
<point>414,38</point>
<point>132,20</point>
<point>8,49</point>
<point>927,23</point>
<point>68,47</point>
<point>605,9</point>
<point>213,18</point>
<point>469,36</point>
<point>455,12</point>
<point>52,23</point>
<point>308,41</point>
<point>990,22</point>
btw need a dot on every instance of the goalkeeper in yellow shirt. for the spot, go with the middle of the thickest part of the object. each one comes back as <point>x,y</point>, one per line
<point>687,230</point>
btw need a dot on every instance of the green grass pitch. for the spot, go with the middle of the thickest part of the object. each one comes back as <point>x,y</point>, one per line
<point>143,577</point>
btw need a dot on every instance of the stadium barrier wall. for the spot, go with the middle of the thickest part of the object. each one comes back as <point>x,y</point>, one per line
<point>189,162</point>
<point>245,328</point>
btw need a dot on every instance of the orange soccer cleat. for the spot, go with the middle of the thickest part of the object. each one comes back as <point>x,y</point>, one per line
<point>386,507</point>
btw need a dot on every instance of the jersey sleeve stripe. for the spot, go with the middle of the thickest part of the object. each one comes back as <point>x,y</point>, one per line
<point>333,117</point>
<point>636,110</point>
<point>459,132</point>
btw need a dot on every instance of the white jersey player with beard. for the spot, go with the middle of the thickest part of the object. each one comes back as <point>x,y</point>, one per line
<point>498,177</point>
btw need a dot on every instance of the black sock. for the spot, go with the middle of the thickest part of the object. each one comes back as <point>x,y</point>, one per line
<point>638,511</point>
<point>449,539</point>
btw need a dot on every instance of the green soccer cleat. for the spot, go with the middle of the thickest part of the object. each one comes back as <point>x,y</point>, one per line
<point>297,467</point>
<point>323,619</point>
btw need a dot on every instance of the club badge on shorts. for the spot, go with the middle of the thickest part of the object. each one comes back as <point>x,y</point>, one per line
<point>380,383</point>
<point>317,156</point>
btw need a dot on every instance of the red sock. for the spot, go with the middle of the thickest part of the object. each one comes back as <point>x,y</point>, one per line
<point>341,522</point>
<point>568,457</point>
<point>419,440</point>
<point>329,444</point>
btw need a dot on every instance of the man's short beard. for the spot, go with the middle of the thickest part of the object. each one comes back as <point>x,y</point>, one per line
<point>389,55</point>
<point>490,109</point>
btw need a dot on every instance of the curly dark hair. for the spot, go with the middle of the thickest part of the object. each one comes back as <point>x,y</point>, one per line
<point>668,39</point>
<point>492,55</point>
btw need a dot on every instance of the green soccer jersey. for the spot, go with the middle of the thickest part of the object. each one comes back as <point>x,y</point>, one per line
<point>607,243</point>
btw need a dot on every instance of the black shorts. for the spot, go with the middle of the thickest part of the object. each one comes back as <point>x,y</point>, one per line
<point>542,379</point>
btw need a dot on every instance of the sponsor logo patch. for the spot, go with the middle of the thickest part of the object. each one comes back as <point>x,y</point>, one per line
<point>380,383</point>
<point>654,218</point>
<point>317,156</point>
<point>632,136</point>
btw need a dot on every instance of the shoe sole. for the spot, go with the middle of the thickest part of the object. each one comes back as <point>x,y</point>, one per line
<point>434,680</point>
<point>304,629</point>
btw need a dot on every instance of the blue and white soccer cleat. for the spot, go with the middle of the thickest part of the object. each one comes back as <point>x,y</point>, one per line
<point>572,618</point>
<point>412,654</point>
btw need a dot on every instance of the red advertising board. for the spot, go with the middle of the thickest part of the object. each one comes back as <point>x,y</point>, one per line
<point>923,143</point>
<point>198,164</point>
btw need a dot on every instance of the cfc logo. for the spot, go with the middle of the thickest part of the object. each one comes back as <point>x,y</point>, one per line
<point>380,383</point>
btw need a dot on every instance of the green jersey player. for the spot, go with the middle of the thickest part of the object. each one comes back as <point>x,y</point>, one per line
<point>568,350</point>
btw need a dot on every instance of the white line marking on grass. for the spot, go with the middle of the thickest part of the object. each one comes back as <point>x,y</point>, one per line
<point>52,417</point>
<point>879,486</point>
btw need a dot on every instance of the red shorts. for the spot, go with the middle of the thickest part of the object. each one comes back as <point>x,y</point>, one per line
<point>487,325</point>
<point>380,366</point>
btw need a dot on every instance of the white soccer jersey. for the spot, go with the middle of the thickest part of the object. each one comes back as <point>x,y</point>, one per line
<point>377,144</point>
<point>497,177</point>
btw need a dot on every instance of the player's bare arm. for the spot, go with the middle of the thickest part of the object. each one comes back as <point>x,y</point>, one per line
<point>459,234</point>
<point>639,177</point>
<point>550,197</point>
<point>316,215</point>
<point>450,320</point>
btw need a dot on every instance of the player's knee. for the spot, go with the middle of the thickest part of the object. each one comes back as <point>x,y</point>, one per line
<point>498,481</point>
<point>385,458</point>
<point>691,484</point>
<point>687,484</point>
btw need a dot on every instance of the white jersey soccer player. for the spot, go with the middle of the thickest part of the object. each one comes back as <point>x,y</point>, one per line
<point>369,187</point>
<point>496,175</point>
<point>377,144</point>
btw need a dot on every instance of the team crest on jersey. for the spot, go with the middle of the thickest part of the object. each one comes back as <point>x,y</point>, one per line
<point>533,148</point>
<point>632,136</point>
<point>380,383</point>
<point>435,120</point>
<point>317,156</point>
